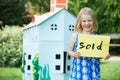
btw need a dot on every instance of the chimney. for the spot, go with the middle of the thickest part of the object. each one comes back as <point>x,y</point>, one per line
<point>32,17</point>
<point>55,4</point>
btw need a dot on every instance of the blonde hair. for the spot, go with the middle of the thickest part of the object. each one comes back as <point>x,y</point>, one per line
<point>86,11</point>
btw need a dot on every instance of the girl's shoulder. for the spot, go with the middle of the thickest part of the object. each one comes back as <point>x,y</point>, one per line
<point>74,34</point>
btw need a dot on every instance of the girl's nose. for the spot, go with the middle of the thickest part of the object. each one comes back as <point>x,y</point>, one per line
<point>87,22</point>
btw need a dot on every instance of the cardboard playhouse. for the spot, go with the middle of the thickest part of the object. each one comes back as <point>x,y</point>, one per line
<point>48,37</point>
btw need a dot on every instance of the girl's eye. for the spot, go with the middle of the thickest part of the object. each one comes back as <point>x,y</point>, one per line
<point>90,20</point>
<point>83,20</point>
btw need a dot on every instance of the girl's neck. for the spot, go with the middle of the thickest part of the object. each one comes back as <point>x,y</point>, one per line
<point>84,32</point>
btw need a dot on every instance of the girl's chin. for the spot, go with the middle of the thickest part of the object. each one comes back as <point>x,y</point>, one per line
<point>88,30</point>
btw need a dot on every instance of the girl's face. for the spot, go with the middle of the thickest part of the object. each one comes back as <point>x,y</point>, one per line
<point>86,23</point>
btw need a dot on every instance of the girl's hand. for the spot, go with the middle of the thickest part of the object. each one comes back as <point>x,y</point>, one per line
<point>77,54</point>
<point>107,57</point>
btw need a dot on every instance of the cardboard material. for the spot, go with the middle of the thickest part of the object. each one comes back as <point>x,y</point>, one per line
<point>93,45</point>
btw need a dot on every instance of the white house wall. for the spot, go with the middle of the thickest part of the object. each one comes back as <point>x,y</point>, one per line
<point>52,46</point>
<point>51,40</point>
<point>49,57</point>
<point>69,22</point>
<point>30,48</point>
<point>54,22</point>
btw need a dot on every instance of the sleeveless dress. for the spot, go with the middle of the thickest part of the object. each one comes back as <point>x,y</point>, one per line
<point>85,68</point>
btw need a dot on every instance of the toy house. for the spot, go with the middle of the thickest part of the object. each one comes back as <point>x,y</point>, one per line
<point>48,36</point>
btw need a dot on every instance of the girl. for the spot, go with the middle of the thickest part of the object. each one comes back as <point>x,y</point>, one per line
<point>84,68</point>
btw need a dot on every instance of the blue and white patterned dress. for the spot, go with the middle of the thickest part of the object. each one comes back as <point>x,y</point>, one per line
<point>85,68</point>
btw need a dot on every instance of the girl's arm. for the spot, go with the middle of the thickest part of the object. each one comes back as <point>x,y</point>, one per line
<point>72,42</point>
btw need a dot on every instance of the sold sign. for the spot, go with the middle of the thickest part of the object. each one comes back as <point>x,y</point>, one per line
<point>93,45</point>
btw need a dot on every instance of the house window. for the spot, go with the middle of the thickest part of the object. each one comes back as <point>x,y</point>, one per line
<point>71,27</point>
<point>28,67</point>
<point>57,67</point>
<point>57,56</point>
<point>68,68</point>
<point>24,53</point>
<point>29,57</point>
<point>53,27</point>
<point>68,57</point>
